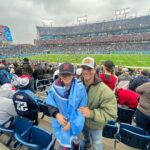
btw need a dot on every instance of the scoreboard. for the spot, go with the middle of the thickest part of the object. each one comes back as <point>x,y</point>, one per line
<point>5,35</point>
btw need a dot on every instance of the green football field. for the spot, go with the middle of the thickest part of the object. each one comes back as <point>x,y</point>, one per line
<point>134,60</point>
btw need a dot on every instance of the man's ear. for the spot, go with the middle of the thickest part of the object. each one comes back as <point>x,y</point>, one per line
<point>94,70</point>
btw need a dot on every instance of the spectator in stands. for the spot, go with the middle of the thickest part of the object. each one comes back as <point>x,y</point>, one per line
<point>143,109</point>
<point>45,67</point>
<point>139,80</point>
<point>137,72</point>
<point>4,75</point>
<point>38,72</point>
<point>7,90</point>
<point>127,98</point>
<point>7,109</point>
<point>11,68</point>
<point>67,95</point>
<point>50,70</point>
<point>108,77</point>
<point>25,100</point>
<point>4,62</point>
<point>102,105</point>
<point>101,68</point>
<point>18,70</point>
<point>118,70</point>
<point>125,76</point>
<point>27,70</point>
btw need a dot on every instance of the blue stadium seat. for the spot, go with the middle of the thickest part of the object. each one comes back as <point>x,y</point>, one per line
<point>17,125</point>
<point>36,139</point>
<point>110,130</point>
<point>125,115</point>
<point>134,136</point>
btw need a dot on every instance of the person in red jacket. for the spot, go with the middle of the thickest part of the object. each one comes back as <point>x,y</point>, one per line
<point>127,97</point>
<point>108,77</point>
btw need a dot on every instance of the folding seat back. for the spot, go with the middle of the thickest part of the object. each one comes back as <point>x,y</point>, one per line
<point>125,115</point>
<point>110,130</point>
<point>134,136</point>
<point>18,125</point>
<point>37,139</point>
<point>22,124</point>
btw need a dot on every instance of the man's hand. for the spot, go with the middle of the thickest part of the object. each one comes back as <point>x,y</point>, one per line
<point>85,111</point>
<point>61,119</point>
<point>66,127</point>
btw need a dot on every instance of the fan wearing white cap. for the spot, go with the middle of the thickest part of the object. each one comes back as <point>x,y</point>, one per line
<point>102,105</point>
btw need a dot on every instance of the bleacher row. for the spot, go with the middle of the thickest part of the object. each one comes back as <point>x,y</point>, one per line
<point>23,133</point>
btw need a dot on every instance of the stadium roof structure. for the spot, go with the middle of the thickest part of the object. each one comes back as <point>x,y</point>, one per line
<point>128,23</point>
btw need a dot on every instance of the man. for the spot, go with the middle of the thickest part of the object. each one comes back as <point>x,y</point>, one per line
<point>7,109</point>
<point>66,96</point>
<point>108,77</point>
<point>4,75</point>
<point>127,98</point>
<point>139,80</point>
<point>143,109</point>
<point>125,76</point>
<point>25,101</point>
<point>27,70</point>
<point>102,105</point>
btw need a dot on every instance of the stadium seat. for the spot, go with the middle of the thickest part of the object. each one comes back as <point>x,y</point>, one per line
<point>125,115</point>
<point>110,130</point>
<point>37,139</point>
<point>17,125</point>
<point>134,136</point>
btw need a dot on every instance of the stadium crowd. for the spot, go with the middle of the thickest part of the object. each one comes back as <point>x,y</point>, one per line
<point>130,23</point>
<point>80,99</point>
<point>130,35</point>
<point>104,88</point>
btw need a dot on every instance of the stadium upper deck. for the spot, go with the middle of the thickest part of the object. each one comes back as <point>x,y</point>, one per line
<point>102,27</point>
<point>127,34</point>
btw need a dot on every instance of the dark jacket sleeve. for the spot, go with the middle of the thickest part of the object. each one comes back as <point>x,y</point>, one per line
<point>133,84</point>
<point>53,110</point>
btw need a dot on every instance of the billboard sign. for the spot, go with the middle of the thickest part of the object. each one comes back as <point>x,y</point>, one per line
<point>5,34</point>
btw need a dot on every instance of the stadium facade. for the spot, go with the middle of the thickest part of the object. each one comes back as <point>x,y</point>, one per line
<point>126,34</point>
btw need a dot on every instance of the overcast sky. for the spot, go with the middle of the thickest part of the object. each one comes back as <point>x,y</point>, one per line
<point>22,16</point>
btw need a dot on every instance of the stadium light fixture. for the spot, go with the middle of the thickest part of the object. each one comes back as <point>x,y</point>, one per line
<point>47,22</point>
<point>82,20</point>
<point>127,10</point>
<point>122,13</point>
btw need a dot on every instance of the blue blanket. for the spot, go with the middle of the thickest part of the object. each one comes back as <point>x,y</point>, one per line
<point>69,108</point>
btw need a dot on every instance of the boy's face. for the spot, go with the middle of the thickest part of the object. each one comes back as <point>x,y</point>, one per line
<point>66,78</point>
